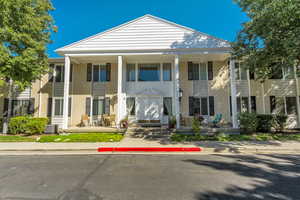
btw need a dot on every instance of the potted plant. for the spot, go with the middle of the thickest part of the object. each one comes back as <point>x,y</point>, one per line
<point>124,122</point>
<point>172,122</point>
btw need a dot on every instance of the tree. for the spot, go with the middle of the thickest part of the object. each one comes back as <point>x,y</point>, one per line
<point>270,40</point>
<point>25,27</point>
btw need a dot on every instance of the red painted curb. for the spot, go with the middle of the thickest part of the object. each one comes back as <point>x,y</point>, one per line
<point>149,149</point>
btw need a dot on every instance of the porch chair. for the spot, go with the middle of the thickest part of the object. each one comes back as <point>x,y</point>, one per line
<point>112,120</point>
<point>216,120</point>
<point>85,121</point>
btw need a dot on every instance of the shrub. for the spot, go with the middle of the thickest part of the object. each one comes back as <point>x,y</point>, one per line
<point>27,125</point>
<point>280,122</point>
<point>196,125</point>
<point>172,122</point>
<point>265,123</point>
<point>248,122</point>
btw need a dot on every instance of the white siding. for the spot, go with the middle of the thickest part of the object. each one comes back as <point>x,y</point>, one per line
<point>147,33</point>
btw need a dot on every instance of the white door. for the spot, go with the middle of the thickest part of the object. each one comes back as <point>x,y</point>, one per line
<point>149,108</point>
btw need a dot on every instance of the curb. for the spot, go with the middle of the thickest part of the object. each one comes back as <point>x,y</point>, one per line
<point>149,149</point>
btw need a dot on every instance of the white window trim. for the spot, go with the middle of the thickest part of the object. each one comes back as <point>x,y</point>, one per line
<point>92,103</point>
<point>54,72</point>
<point>53,106</point>
<point>240,72</point>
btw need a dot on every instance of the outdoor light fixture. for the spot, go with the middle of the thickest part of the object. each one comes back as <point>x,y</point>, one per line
<point>180,92</point>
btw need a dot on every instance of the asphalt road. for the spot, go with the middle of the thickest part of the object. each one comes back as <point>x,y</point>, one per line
<point>143,177</point>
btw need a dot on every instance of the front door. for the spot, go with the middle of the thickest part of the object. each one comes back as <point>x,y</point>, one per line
<point>149,108</point>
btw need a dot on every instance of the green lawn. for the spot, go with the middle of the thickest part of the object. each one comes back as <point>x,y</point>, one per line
<point>228,138</point>
<point>76,137</point>
<point>13,138</point>
<point>82,137</point>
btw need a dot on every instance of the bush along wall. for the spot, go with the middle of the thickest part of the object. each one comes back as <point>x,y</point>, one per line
<point>251,122</point>
<point>27,125</point>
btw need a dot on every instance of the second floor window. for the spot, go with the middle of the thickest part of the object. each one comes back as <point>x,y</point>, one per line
<point>130,72</point>
<point>59,73</point>
<point>200,71</point>
<point>101,73</point>
<point>167,71</point>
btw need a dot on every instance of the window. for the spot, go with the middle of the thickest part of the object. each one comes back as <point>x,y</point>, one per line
<point>130,70</point>
<point>243,104</point>
<point>21,107</point>
<point>59,73</point>
<point>193,71</point>
<point>130,105</point>
<point>291,105</point>
<point>203,71</point>
<point>202,106</point>
<point>167,101</point>
<point>101,73</point>
<point>241,72</point>
<point>98,106</point>
<point>58,107</point>
<point>277,105</point>
<point>167,71</point>
<point>288,72</point>
<point>149,72</point>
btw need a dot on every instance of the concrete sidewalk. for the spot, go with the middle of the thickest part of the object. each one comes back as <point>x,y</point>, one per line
<point>208,147</point>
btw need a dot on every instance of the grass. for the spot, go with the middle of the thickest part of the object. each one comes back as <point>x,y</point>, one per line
<point>229,138</point>
<point>78,137</point>
<point>14,138</point>
<point>82,137</point>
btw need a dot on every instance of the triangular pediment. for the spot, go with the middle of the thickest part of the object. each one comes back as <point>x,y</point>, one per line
<point>146,33</point>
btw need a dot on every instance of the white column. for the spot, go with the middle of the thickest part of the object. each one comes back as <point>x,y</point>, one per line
<point>263,97</point>
<point>233,94</point>
<point>249,90</point>
<point>176,91</point>
<point>66,91</point>
<point>297,94</point>
<point>120,105</point>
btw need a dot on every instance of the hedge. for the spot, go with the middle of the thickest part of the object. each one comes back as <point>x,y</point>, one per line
<point>27,125</point>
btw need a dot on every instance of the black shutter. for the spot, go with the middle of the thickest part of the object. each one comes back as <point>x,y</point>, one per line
<point>230,105</point>
<point>31,106</point>
<point>253,104</point>
<point>5,107</point>
<point>88,106</point>
<point>196,72</point>
<point>252,75</point>
<point>70,107</point>
<point>272,103</point>
<point>107,105</point>
<point>191,106</point>
<point>211,106</point>
<point>96,73</point>
<point>89,72</point>
<point>49,108</point>
<point>210,67</point>
<point>190,71</point>
<point>71,72</point>
<point>108,71</point>
<point>50,74</point>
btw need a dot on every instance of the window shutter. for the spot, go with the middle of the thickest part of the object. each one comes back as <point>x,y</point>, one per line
<point>96,73</point>
<point>31,106</point>
<point>49,108</point>
<point>88,106</point>
<point>70,107</point>
<point>196,71</point>
<point>230,105</point>
<point>210,70</point>
<point>107,105</point>
<point>108,71</point>
<point>191,106</point>
<point>71,72</point>
<point>211,105</point>
<point>272,103</point>
<point>5,107</point>
<point>89,72</point>
<point>251,75</point>
<point>190,71</point>
<point>50,73</point>
<point>253,104</point>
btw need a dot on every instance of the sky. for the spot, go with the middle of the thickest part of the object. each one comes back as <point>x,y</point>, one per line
<point>78,19</point>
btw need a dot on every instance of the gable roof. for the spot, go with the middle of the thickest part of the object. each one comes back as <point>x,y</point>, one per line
<point>146,33</point>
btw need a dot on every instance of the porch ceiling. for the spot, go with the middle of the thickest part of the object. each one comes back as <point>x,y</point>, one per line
<point>151,58</point>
